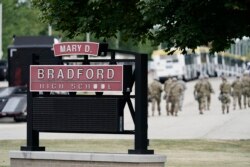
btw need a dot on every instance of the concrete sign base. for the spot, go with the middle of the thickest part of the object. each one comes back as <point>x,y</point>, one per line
<point>65,159</point>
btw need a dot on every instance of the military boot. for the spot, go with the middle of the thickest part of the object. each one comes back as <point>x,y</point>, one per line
<point>176,114</point>
<point>167,110</point>
<point>201,112</point>
<point>208,106</point>
<point>172,112</point>
<point>159,112</point>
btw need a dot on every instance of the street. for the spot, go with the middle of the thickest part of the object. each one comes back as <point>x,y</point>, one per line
<point>188,125</point>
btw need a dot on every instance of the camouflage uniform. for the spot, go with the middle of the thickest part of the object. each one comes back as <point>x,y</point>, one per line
<point>237,92</point>
<point>225,91</point>
<point>208,92</point>
<point>174,96</point>
<point>200,95</point>
<point>155,92</point>
<point>183,84</point>
<point>167,86</point>
<point>246,89</point>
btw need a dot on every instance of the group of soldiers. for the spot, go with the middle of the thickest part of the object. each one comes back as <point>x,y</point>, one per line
<point>174,89</point>
<point>238,89</point>
<point>173,95</point>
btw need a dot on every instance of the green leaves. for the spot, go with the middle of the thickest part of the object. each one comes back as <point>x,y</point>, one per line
<point>183,23</point>
<point>20,19</point>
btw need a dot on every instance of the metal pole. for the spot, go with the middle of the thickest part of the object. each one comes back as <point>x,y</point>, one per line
<point>87,36</point>
<point>141,109</point>
<point>49,30</point>
<point>32,135</point>
<point>117,40</point>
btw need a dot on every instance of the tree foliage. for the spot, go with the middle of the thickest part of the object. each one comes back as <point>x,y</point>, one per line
<point>20,19</point>
<point>178,23</point>
<point>103,18</point>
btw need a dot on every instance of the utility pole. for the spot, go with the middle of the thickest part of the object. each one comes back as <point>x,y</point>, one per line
<point>117,40</point>
<point>49,30</point>
<point>1,34</point>
<point>87,36</point>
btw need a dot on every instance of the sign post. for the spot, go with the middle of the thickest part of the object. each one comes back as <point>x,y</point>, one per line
<point>141,123</point>
<point>97,113</point>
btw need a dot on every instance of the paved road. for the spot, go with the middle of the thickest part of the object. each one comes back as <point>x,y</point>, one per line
<point>188,125</point>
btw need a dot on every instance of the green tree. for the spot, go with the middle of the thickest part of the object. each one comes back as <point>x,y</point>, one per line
<point>20,19</point>
<point>179,23</point>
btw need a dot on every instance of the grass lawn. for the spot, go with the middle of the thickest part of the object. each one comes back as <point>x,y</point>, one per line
<point>180,153</point>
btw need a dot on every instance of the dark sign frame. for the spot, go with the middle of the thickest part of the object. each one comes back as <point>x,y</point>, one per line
<point>139,113</point>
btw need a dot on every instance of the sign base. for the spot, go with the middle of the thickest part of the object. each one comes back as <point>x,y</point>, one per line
<point>65,159</point>
<point>30,148</point>
<point>141,151</point>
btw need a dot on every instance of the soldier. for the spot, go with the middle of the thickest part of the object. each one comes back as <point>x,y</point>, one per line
<point>199,93</point>
<point>174,96</point>
<point>208,92</point>
<point>246,89</point>
<point>155,92</point>
<point>184,87</point>
<point>237,91</point>
<point>167,86</point>
<point>225,91</point>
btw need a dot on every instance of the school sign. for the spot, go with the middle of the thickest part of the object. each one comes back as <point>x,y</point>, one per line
<point>76,48</point>
<point>90,78</point>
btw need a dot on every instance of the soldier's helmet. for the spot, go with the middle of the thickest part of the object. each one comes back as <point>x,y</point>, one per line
<point>223,77</point>
<point>174,79</point>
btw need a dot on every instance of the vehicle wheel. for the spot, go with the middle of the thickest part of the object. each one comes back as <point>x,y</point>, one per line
<point>198,75</point>
<point>20,118</point>
<point>216,74</point>
<point>184,78</point>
